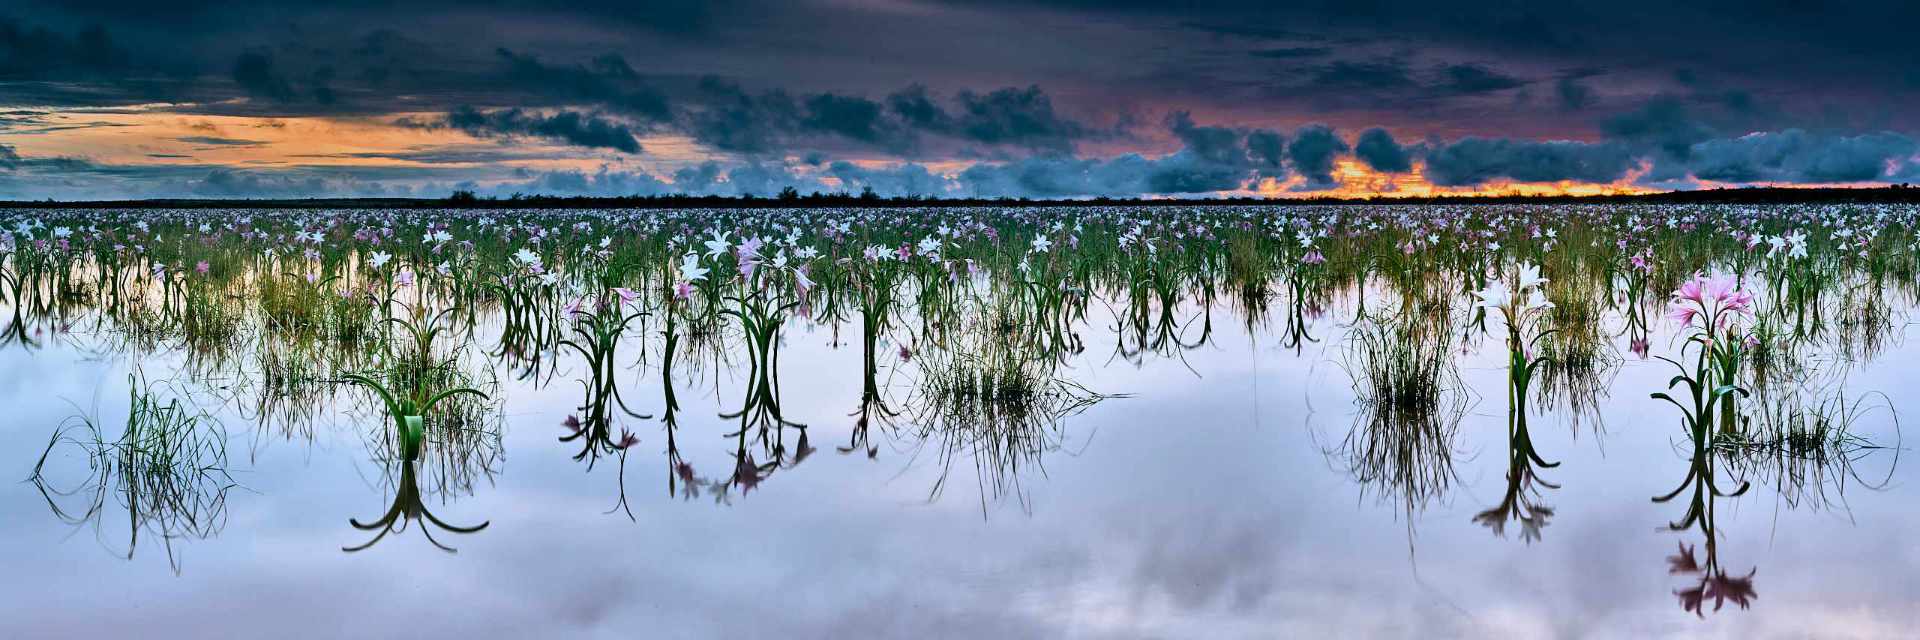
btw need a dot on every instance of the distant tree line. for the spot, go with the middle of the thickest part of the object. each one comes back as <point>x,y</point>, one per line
<point>790,197</point>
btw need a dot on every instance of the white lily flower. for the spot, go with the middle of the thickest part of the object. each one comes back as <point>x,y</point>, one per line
<point>527,257</point>
<point>690,269</point>
<point>1530,276</point>
<point>718,244</point>
<point>1538,301</point>
<point>1494,296</point>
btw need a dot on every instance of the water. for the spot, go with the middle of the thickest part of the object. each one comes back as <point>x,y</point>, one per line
<point>1200,491</point>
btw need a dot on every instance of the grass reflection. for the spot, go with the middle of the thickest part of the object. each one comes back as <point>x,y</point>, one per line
<point>166,468</point>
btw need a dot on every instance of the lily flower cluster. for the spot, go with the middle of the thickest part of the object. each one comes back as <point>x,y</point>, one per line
<point>1312,255</point>
<point>1519,302</point>
<point>1794,244</point>
<point>749,258</point>
<point>1711,304</point>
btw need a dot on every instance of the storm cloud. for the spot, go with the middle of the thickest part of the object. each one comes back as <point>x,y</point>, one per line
<point>1381,152</point>
<point>731,118</point>
<point>1312,153</point>
<point>570,127</point>
<point>38,52</point>
<point>1473,161</point>
<point>1798,156</point>
<point>1018,117</point>
<point>606,81</point>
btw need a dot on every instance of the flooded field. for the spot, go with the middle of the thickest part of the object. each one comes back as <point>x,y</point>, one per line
<point>1224,422</point>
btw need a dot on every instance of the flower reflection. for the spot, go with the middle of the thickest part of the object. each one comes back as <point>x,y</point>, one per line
<point>1714,583</point>
<point>1520,503</point>
<point>1710,580</point>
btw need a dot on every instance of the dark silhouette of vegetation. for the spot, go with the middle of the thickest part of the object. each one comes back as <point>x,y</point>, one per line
<point>792,198</point>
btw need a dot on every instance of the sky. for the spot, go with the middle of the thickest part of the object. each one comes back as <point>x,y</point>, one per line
<point>117,99</point>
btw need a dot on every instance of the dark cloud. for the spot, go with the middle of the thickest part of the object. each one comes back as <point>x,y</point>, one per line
<point>1215,158</point>
<point>856,119</point>
<point>606,81</point>
<point>36,126</point>
<point>254,72</point>
<point>1378,150</point>
<point>1798,156</point>
<point>1312,153</point>
<point>1022,118</point>
<point>570,127</point>
<point>1218,145</point>
<point>8,159</point>
<point>734,120</point>
<point>1185,172</point>
<point>1663,123</point>
<point>1060,176</point>
<point>1367,76</point>
<point>731,118</point>
<point>1248,31</point>
<point>219,141</point>
<point>1211,159</point>
<point>476,154</point>
<point>915,106</point>
<point>1473,79</point>
<point>1472,161</point>
<point>1572,94</point>
<point>33,52</point>
<point>1291,53</point>
<point>1704,34</point>
<point>1397,82</point>
<point>1267,149</point>
<point>678,18</point>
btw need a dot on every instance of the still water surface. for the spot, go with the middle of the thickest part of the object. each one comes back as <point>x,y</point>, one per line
<point>1212,493</point>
